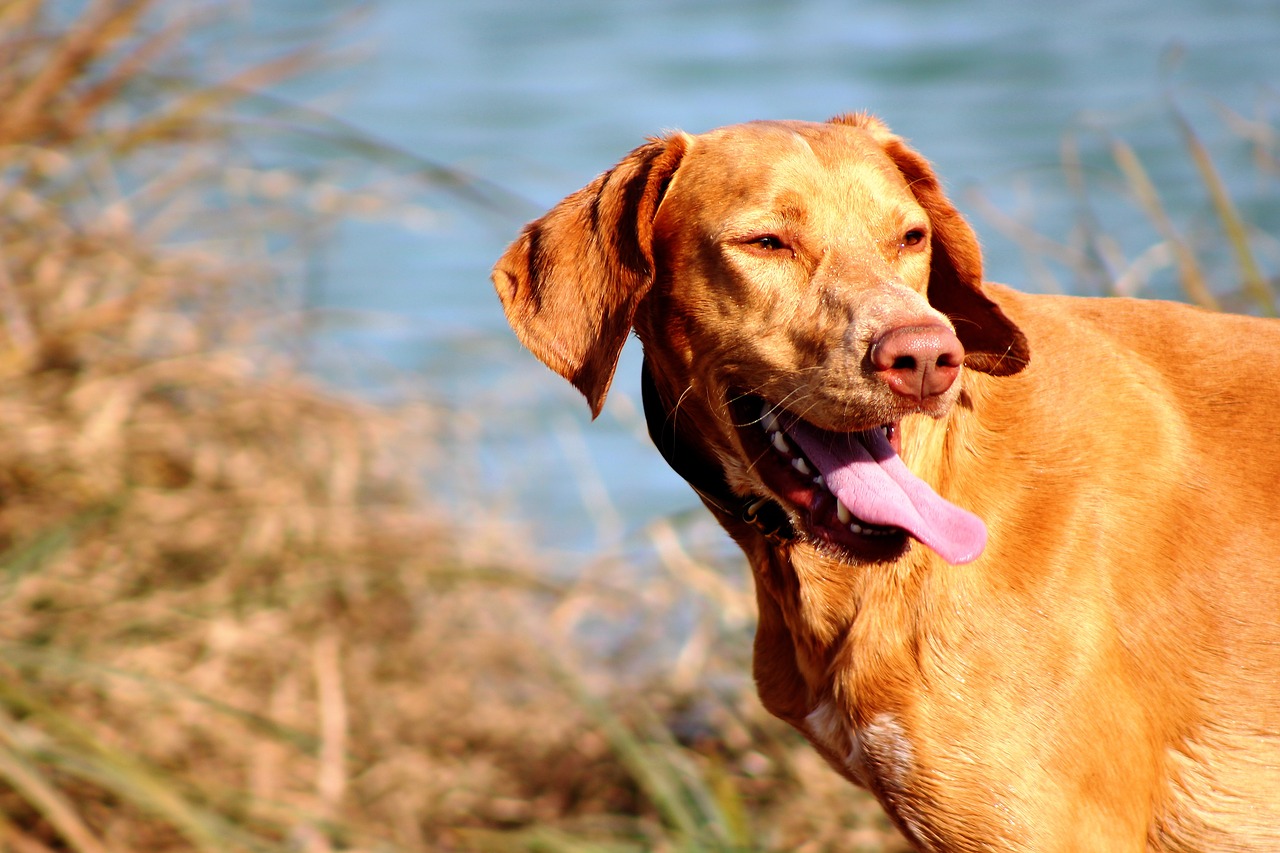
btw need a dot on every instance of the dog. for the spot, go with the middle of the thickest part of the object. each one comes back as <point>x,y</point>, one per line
<point>1016,557</point>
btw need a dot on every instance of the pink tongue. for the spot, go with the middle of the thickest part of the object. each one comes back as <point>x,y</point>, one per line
<point>869,478</point>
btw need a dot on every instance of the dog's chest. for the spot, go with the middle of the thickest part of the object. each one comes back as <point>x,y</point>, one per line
<point>877,754</point>
<point>885,756</point>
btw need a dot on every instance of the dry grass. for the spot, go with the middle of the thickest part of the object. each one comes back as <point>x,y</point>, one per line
<point>233,616</point>
<point>1205,251</point>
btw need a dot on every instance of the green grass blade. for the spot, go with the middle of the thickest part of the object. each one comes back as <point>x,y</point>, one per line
<point>27,780</point>
<point>655,777</point>
<point>73,749</point>
<point>29,556</point>
<point>52,661</point>
<point>539,840</point>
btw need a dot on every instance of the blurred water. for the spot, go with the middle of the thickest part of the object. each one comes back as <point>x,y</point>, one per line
<point>540,95</point>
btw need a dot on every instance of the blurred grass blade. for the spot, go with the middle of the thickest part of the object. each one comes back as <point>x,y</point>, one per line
<point>538,840</point>
<point>55,662</point>
<point>1190,274</point>
<point>732,808</point>
<point>333,134</point>
<point>16,14</point>
<point>126,72</point>
<point>706,813</point>
<point>1255,283</point>
<point>75,750</point>
<point>198,104</point>
<point>31,784</point>
<point>1100,258</point>
<point>1262,137</point>
<point>28,111</point>
<point>28,557</point>
<point>660,785</point>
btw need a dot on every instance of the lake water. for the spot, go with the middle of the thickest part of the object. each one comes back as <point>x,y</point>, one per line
<point>538,96</point>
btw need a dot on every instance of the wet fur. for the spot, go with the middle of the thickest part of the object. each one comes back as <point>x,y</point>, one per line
<point>1106,676</point>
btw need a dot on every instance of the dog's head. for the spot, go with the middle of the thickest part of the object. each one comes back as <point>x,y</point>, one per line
<point>799,289</point>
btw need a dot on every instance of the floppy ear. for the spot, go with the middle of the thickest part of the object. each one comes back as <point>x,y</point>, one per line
<point>572,280</point>
<point>992,343</point>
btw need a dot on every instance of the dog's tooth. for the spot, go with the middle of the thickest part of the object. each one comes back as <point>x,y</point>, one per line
<point>855,527</point>
<point>819,482</point>
<point>842,513</point>
<point>800,465</point>
<point>768,420</point>
<point>780,442</point>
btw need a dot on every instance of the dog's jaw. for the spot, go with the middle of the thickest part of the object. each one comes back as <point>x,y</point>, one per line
<point>848,491</point>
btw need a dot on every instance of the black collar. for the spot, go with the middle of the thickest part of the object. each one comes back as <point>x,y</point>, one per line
<point>706,477</point>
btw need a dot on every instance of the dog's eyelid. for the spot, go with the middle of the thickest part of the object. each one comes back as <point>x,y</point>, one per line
<point>914,237</point>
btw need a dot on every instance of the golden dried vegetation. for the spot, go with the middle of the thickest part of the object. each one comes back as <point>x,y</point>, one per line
<point>233,614</point>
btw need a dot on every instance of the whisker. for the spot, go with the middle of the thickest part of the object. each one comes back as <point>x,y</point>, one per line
<point>675,409</point>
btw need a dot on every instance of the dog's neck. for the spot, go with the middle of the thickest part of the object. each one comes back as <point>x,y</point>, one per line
<point>702,474</point>
<point>839,614</point>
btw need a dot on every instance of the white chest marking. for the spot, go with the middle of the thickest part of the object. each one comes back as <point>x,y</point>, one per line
<point>879,755</point>
<point>879,749</point>
<point>886,746</point>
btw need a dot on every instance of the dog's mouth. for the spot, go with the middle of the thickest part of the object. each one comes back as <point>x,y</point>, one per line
<point>851,490</point>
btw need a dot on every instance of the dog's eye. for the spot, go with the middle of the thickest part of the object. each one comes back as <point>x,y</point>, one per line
<point>767,242</point>
<point>914,237</point>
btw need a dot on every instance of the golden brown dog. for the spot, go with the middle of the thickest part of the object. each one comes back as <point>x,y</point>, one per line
<point>1017,558</point>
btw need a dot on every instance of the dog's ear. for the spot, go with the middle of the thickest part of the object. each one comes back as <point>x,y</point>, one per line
<point>571,282</point>
<point>992,342</point>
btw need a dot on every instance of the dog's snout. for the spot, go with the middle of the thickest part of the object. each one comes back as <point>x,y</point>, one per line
<point>918,362</point>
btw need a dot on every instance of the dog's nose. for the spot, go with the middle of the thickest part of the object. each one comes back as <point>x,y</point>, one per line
<point>918,362</point>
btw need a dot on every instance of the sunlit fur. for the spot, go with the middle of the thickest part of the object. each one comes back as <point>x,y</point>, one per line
<point>1106,676</point>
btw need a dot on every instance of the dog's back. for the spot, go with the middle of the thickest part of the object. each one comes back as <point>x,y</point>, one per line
<point>1133,466</point>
